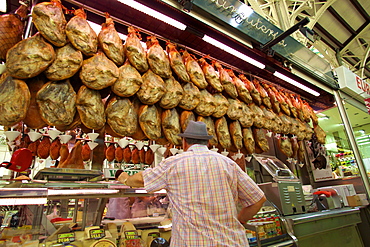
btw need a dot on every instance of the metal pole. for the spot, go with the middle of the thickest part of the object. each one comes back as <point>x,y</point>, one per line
<point>27,32</point>
<point>352,140</point>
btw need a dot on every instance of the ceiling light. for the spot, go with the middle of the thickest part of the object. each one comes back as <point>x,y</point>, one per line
<point>232,51</point>
<point>295,83</point>
<point>154,13</point>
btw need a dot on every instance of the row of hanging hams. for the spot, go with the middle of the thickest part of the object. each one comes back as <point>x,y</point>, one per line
<point>129,154</point>
<point>46,147</point>
<point>68,76</point>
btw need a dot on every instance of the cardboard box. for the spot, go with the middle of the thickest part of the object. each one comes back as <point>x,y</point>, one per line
<point>363,198</point>
<point>354,201</point>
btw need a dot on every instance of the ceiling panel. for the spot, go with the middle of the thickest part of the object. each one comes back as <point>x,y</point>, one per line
<point>349,13</point>
<point>334,27</point>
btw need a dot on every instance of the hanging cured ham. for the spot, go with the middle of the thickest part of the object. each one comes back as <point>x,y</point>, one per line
<point>86,152</point>
<point>33,147</point>
<point>235,110</point>
<point>129,81</point>
<point>292,108</point>
<point>286,123</point>
<point>74,159</point>
<point>285,146</point>
<point>150,121</point>
<point>171,126</point>
<point>301,152</point>
<point>223,134</point>
<point>264,96</point>
<point>29,57</point>
<point>43,148</point>
<point>246,120</point>
<point>191,97</point>
<point>221,105</point>
<point>110,42</point>
<point>211,75</point>
<point>134,51</point>
<point>149,157</point>
<point>173,95</point>
<point>185,117</point>
<point>210,129</point>
<point>320,134</point>
<point>15,99</point>
<point>81,35</point>
<point>275,104</point>
<point>260,139</point>
<point>48,18</point>
<point>64,153</point>
<point>194,70</point>
<point>135,158</point>
<point>157,58</point>
<point>258,116</point>
<point>57,103</point>
<point>127,154</point>
<point>242,90</point>
<point>90,108</point>
<point>121,116</point>
<point>142,155</point>
<point>236,134</point>
<point>248,140</point>
<point>226,80</point>
<point>152,89</point>
<point>252,90</point>
<point>118,154</point>
<point>110,152</point>
<point>206,106</point>
<point>177,63</point>
<point>68,61</point>
<point>98,72</point>
<point>11,28</point>
<point>54,151</point>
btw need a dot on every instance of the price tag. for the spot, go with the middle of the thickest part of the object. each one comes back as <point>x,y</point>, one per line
<point>97,233</point>
<point>66,238</point>
<point>131,234</point>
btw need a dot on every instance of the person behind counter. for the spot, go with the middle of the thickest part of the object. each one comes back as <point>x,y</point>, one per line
<point>119,207</point>
<point>203,188</point>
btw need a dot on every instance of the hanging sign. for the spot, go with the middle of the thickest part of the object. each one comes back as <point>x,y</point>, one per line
<point>367,103</point>
<point>352,84</point>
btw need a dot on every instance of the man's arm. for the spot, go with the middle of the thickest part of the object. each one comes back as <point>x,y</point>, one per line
<point>247,213</point>
<point>135,180</point>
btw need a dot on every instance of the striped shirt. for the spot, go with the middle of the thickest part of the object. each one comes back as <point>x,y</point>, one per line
<point>203,188</point>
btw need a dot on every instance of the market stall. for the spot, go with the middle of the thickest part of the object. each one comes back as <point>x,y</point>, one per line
<point>87,102</point>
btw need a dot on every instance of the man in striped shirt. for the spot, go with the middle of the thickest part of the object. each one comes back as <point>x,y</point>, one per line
<point>203,188</point>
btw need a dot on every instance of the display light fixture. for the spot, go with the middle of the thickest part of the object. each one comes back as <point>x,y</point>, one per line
<point>232,51</point>
<point>295,83</point>
<point>153,13</point>
<point>3,6</point>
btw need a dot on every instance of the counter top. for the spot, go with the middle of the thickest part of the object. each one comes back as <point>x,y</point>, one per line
<point>323,214</point>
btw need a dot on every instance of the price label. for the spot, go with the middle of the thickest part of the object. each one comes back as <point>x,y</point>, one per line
<point>66,238</point>
<point>131,234</point>
<point>97,233</point>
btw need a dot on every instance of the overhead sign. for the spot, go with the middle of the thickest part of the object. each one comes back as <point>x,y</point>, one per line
<point>352,84</point>
<point>240,16</point>
<point>367,103</point>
